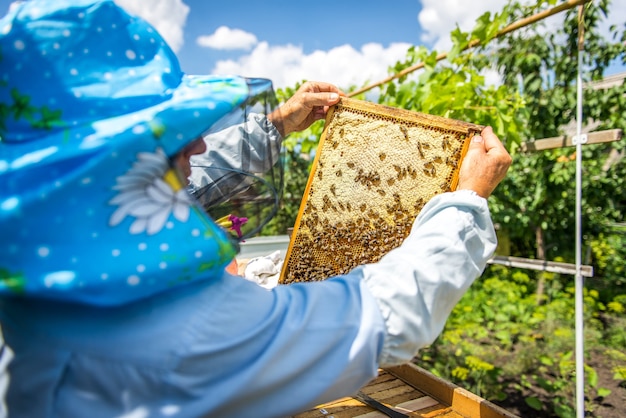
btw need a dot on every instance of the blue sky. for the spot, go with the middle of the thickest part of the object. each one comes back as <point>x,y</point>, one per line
<point>327,25</point>
<point>345,42</point>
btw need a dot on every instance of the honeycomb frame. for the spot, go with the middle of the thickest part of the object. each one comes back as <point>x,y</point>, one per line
<point>375,168</point>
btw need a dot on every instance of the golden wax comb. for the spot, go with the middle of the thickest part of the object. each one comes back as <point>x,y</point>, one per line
<point>374,169</point>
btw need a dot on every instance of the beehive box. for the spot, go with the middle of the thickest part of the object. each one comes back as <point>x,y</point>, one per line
<point>375,169</point>
<point>410,391</point>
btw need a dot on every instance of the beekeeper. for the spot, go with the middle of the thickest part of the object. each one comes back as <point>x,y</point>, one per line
<point>113,294</point>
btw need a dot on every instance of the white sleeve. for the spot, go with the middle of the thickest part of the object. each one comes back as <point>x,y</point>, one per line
<point>417,284</point>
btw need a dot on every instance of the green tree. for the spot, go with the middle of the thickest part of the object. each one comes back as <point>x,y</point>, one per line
<point>535,204</point>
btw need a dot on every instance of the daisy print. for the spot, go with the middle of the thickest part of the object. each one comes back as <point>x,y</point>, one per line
<point>149,192</point>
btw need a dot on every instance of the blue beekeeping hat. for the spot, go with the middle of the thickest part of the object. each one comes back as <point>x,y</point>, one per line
<point>93,108</point>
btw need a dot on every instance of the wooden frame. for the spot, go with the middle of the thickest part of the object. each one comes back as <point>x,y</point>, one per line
<point>610,135</point>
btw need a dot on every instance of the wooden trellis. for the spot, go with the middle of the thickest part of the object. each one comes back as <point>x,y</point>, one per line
<point>610,135</point>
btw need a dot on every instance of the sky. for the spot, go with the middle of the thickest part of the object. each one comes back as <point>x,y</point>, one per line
<point>344,42</point>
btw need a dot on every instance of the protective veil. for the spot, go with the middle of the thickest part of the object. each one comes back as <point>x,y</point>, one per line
<point>239,178</point>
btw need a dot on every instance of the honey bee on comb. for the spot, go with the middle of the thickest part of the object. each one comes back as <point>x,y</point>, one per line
<point>388,163</point>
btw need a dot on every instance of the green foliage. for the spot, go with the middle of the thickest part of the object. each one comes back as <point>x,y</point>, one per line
<point>456,89</point>
<point>296,174</point>
<point>609,253</point>
<point>498,341</point>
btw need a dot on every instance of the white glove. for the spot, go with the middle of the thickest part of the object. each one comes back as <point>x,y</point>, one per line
<point>265,270</point>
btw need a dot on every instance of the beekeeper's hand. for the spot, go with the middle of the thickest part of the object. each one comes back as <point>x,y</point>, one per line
<point>308,104</point>
<point>485,164</point>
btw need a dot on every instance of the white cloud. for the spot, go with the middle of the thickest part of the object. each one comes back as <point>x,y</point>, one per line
<point>227,38</point>
<point>167,16</point>
<point>440,17</point>
<point>342,66</point>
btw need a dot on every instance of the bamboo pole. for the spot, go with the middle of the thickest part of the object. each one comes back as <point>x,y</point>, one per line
<point>512,27</point>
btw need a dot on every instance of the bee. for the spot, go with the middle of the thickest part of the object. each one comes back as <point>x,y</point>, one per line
<point>429,169</point>
<point>451,162</point>
<point>445,144</point>
<point>420,150</point>
<point>405,132</point>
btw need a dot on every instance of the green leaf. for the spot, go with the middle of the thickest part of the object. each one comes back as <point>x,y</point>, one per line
<point>534,403</point>
<point>592,376</point>
<point>460,40</point>
<point>546,360</point>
